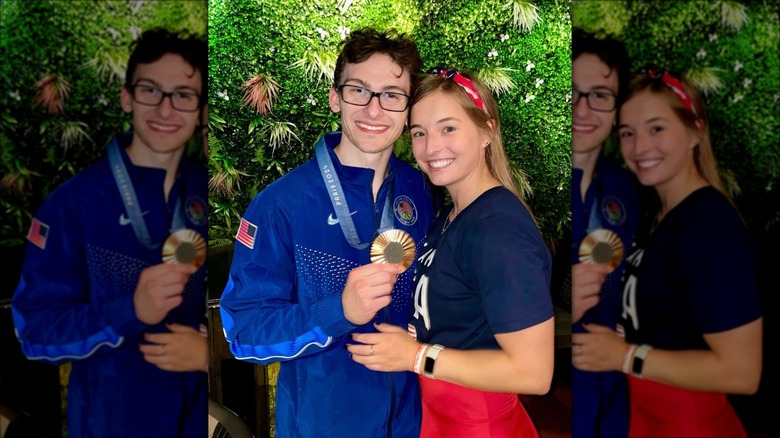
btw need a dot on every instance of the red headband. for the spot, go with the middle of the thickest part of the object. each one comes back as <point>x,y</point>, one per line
<point>675,85</point>
<point>464,83</point>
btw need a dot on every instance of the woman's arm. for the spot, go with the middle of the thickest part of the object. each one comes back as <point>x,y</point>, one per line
<point>732,364</point>
<point>523,365</point>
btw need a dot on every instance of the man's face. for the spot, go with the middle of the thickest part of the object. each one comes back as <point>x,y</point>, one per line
<point>371,129</point>
<point>591,128</point>
<point>163,128</point>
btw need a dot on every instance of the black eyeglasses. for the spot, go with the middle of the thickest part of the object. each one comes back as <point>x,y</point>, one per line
<point>361,96</point>
<point>602,101</point>
<point>151,95</point>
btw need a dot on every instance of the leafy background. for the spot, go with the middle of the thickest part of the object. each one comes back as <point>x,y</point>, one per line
<point>82,48</point>
<point>62,67</point>
<point>731,51</point>
<point>524,47</point>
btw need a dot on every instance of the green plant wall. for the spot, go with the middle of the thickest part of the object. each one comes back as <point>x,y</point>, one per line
<point>523,45</point>
<point>84,46</point>
<point>731,51</point>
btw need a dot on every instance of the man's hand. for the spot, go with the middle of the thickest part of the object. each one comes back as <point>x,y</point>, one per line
<point>586,282</point>
<point>184,349</point>
<point>159,290</point>
<point>368,290</point>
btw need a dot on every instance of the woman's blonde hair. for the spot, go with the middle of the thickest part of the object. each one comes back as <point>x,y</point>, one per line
<point>495,156</point>
<point>694,117</point>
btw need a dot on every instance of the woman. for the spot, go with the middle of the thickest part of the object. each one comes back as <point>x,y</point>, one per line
<point>483,318</point>
<point>691,313</point>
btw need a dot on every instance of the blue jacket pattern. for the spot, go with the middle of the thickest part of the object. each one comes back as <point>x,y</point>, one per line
<point>283,300</point>
<point>74,302</point>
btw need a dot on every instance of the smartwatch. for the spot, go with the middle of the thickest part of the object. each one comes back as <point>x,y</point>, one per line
<point>430,359</point>
<point>639,359</point>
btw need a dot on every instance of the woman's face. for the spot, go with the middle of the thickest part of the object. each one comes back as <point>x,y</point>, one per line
<point>447,145</point>
<point>655,143</point>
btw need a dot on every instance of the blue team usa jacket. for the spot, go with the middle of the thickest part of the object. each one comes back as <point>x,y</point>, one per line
<point>282,302</point>
<point>74,301</point>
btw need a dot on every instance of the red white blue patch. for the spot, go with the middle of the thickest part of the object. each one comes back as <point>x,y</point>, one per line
<point>195,208</point>
<point>405,210</point>
<point>246,233</point>
<point>38,233</point>
<point>613,210</point>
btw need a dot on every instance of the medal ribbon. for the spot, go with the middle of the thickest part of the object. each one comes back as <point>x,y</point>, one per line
<point>130,200</point>
<point>339,201</point>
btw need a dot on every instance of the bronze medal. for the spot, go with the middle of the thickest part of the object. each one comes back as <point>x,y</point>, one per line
<point>185,246</point>
<point>393,246</point>
<point>602,246</point>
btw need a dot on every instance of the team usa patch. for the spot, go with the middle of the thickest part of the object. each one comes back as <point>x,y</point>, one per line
<point>38,233</point>
<point>613,210</point>
<point>195,208</point>
<point>405,211</point>
<point>246,233</point>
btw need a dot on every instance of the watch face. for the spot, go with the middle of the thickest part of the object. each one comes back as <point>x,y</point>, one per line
<point>429,361</point>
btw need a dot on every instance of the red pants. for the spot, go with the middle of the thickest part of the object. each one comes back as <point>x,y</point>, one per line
<point>454,411</point>
<point>659,410</point>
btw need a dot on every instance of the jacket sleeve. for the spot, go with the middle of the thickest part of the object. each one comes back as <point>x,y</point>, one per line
<point>265,317</point>
<point>55,315</point>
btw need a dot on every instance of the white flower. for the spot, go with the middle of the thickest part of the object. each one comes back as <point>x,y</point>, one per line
<point>529,97</point>
<point>322,32</point>
<point>102,100</point>
<point>737,66</point>
<point>539,82</point>
<point>746,83</point>
<point>701,53</point>
<point>529,66</point>
<point>776,99</point>
<point>15,95</point>
<point>310,100</point>
<point>504,37</point>
<point>223,95</point>
<point>713,37</point>
<point>493,53</point>
<point>135,31</point>
<point>343,32</point>
<point>568,98</point>
<point>737,97</point>
<point>114,33</point>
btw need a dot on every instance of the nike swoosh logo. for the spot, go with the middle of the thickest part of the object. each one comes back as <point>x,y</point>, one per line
<point>124,220</point>
<point>334,221</point>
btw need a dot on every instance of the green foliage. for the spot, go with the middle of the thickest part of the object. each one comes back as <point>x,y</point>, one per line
<point>76,54</point>
<point>731,52</point>
<point>529,69</point>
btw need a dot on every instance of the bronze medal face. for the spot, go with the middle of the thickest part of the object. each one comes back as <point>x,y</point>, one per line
<point>393,246</point>
<point>185,246</point>
<point>602,246</point>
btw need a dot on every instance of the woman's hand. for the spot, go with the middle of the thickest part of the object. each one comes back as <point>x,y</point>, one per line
<point>392,349</point>
<point>601,349</point>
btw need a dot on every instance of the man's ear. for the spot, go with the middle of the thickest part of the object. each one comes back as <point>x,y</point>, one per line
<point>127,100</point>
<point>333,100</point>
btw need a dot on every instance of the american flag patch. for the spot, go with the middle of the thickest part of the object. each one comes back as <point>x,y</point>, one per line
<point>38,233</point>
<point>411,330</point>
<point>246,233</point>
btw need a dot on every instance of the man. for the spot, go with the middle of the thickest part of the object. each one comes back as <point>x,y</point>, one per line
<point>94,288</point>
<point>301,280</point>
<point>603,197</point>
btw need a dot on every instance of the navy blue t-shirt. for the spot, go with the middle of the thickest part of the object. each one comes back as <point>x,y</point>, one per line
<point>694,273</point>
<point>487,273</point>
